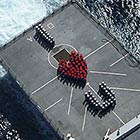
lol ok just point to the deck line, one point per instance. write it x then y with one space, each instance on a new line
94 51
70 100
53 104
108 73
118 117
117 61
29 39
44 85
84 120
125 89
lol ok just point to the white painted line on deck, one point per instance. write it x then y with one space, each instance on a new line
119 60
98 49
39 106
70 100
107 132
30 39
126 89
53 104
50 25
109 73
118 117
106 135
43 85
84 120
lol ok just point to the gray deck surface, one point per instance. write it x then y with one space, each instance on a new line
30 63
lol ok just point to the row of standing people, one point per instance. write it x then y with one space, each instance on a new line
44 38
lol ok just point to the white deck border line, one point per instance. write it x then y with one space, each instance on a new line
88 84
117 61
84 120
125 89
70 100
94 51
43 85
109 73
52 105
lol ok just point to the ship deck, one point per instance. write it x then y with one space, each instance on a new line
35 69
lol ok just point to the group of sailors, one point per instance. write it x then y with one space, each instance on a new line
99 108
74 71
44 38
6 131
106 93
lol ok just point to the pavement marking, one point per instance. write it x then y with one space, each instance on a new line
98 49
30 39
119 60
84 120
70 100
107 131
118 117
50 25
39 106
53 104
109 73
106 135
43 85
101 99
127 89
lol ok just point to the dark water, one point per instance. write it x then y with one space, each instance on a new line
19 118
120 17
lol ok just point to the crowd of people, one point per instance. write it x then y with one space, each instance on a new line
74 71
6 130
108 101
44 38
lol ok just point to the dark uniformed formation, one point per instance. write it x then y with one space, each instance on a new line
74 71
44 38
97 108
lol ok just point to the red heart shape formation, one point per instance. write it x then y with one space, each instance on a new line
75 68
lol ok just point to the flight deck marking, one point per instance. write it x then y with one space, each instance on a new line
118 117
106 135
117 61
30 39
84 120
125 89
70 100
50 25
98 49
44 85
53 104
100 98
109 73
